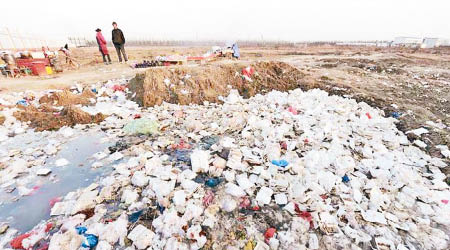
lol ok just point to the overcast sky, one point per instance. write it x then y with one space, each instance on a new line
233 19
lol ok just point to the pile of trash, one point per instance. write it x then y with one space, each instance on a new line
56 109
283 170
186 85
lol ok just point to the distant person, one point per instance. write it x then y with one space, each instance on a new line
119 42
102 47
69 59
236 52
45 51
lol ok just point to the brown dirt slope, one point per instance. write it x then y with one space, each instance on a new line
48 118
66 97
185 85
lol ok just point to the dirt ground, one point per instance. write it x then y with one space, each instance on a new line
413 85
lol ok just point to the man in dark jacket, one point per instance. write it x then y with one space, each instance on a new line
119 42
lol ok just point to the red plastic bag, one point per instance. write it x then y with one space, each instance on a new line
181 145
245 202
53 201
208 199
16 243
292 110
270 232
248 71
119 87
304 215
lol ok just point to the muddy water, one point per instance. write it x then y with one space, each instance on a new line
28 211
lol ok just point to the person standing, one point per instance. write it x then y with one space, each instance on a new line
69 59
102 46
119 42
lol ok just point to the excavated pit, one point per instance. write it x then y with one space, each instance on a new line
186 84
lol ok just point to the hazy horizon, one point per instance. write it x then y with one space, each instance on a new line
323 20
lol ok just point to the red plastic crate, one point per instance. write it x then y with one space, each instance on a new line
29 62
38 68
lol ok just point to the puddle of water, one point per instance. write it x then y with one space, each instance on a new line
28 211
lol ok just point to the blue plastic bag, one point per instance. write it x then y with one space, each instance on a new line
345 179
280 163
22 102
135 216
212 182
396 114
89 241
81 230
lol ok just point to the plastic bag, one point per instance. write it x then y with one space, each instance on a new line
142 126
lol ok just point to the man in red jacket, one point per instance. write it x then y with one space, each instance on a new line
119 42
102 46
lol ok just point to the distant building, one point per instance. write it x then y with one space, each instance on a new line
434 42
408 41
428 43
365 43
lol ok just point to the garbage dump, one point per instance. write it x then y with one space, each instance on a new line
288 169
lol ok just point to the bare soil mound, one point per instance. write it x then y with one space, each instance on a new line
185 85
66 97
2 119
48 118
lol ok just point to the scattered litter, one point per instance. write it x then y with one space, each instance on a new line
396 115
418 131
420 143
3 228
345 179
61 162
43 171
444 150
141 237
90 240
280 163
270 232
142 126
212 182
135 216
292 110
